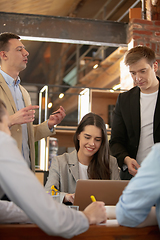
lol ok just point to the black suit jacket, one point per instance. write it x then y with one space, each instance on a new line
125 133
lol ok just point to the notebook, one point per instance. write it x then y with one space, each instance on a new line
107 191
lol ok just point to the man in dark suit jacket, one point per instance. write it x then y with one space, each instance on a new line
136 121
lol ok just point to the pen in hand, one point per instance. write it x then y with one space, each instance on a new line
93 198
55 113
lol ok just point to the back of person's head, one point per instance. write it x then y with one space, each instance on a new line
99 166
139 52
4 40
2 109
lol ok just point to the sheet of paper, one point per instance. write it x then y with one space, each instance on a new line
111 223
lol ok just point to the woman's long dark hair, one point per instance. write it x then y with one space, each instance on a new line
99 165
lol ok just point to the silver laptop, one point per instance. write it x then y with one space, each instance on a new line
107 191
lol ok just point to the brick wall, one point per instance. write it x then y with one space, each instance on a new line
144 32
141 32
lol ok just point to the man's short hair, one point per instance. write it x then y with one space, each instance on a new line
4 38
2 109
137 53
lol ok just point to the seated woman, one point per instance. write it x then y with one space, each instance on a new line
90 160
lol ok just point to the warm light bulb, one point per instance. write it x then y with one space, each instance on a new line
95 66
117 86
50 104
61 95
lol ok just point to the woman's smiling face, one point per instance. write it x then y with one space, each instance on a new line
90 140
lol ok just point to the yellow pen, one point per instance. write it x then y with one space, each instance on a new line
93 198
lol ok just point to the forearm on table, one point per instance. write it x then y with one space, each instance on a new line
150 220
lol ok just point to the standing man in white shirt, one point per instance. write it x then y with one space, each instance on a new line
136 121
13 59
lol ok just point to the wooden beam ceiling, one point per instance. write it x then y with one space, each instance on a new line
101 77
71 30
64 29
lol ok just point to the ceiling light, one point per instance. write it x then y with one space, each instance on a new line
50 104
61 95
117 86
95 66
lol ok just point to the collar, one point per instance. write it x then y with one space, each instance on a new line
73 158
9 80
